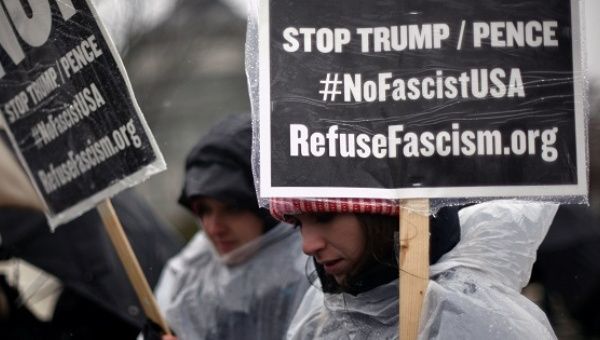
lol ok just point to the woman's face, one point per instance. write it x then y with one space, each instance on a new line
226 227
336 241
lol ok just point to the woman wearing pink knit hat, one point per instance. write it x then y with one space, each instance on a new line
481 258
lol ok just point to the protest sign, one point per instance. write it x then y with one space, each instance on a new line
68 106
422 99
72 117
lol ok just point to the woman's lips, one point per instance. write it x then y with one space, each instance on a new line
225 246
332 266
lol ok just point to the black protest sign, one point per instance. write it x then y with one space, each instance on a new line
428 98
69 107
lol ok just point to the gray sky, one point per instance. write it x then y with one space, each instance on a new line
123 18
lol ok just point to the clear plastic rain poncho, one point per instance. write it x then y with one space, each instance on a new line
251 293
473 292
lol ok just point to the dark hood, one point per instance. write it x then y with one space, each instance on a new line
219 165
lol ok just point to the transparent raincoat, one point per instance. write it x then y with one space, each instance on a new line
473 292
251 293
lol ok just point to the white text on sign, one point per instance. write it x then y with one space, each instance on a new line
476 83
497 34
85 102
75 60
78 162
515 34
80 56
33 26
18 107
454 142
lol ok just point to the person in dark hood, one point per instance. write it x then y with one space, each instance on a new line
241 276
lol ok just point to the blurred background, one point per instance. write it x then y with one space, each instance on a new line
185 60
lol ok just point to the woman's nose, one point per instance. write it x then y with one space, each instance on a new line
213 223
312 241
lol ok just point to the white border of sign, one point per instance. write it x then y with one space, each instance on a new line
139 176
267 190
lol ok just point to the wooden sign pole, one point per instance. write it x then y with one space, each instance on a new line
132 267
414 265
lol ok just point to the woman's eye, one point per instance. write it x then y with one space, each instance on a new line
324 217
233 210
200 210
293 221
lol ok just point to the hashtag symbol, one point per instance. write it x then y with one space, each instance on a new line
37 137
330 87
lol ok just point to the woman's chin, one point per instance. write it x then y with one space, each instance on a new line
339 279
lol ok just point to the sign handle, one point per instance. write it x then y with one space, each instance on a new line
414 265
130 263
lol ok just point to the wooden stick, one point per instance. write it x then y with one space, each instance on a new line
414 265
130 263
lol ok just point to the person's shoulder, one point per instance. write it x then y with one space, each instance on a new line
462 308
183 269
499 238
306 320
195 251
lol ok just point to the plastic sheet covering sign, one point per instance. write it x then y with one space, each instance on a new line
69 106
427 98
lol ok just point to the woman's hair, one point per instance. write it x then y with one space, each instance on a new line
379 264
269 222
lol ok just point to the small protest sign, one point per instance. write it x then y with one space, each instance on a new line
405 99
68 106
